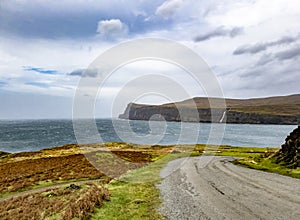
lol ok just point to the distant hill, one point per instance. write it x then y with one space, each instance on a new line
270 110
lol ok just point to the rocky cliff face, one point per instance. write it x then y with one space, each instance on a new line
137 112
290 150
187 114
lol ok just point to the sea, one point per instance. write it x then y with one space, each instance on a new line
33 135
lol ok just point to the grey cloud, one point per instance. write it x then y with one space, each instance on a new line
219 32
289 54
265 59
276 79
85 72
252 49
256 48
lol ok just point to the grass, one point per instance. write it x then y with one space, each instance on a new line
63 203
134 196
28 170
259 159
268 164
17 175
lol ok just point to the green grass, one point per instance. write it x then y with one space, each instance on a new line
134 196
268 165
259 159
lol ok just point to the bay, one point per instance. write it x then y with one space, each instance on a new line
33 135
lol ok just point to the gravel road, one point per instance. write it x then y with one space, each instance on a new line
221 190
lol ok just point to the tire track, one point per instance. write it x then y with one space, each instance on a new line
222 190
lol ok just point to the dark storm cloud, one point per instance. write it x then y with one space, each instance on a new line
259 47
219 32
85 72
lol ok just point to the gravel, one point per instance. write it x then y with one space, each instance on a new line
193 189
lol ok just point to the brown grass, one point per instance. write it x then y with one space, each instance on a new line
62 203
24 170
25 173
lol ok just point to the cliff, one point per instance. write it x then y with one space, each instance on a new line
272 110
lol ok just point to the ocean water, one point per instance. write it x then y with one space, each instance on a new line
32 135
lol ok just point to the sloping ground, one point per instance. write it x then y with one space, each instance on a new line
272 110
22 171
289 153
65 203
276 100
33 185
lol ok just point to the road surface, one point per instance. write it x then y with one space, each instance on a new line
221 190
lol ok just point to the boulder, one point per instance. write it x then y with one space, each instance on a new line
289 153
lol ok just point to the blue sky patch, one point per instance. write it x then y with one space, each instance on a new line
2 84
38 84
39 70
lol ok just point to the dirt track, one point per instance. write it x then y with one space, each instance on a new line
46 188
221 190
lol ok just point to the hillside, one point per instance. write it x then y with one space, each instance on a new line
270 110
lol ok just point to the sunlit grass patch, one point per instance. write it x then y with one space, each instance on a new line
268 164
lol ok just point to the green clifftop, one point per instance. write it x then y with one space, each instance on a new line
271 110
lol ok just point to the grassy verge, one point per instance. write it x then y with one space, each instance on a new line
268 164
134 195
259 159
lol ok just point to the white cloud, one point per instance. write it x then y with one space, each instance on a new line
250 13
168 8
264 23
112 28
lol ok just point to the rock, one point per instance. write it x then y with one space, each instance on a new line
175 152
73 186
50 194
289 153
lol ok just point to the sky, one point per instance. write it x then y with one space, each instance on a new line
251 46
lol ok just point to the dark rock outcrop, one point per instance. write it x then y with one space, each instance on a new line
157 113
289 153
185 114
